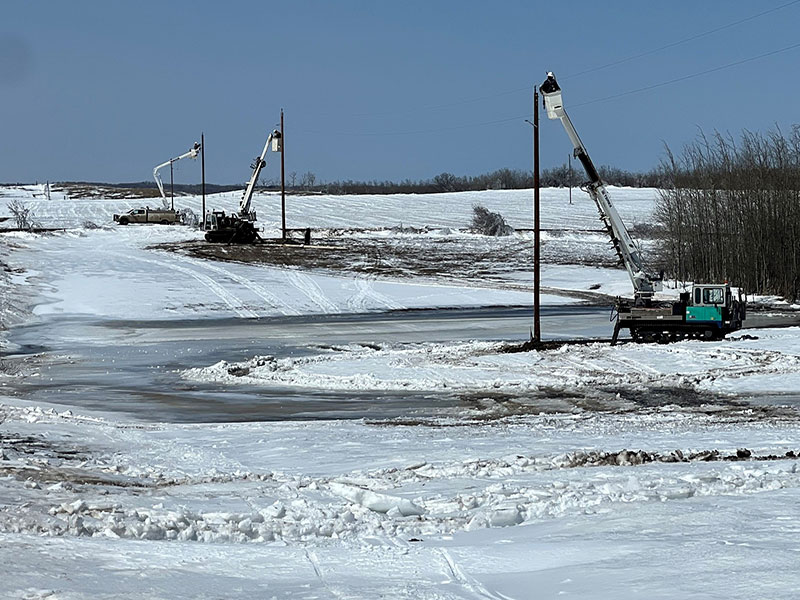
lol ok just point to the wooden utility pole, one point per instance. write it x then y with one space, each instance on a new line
569 162
203 178
283 179
537 330
171 186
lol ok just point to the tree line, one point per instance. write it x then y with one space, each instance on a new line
501 179
730 211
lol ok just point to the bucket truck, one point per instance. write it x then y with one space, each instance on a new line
710 311
192 153
239 228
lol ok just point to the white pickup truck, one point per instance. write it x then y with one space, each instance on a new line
149 215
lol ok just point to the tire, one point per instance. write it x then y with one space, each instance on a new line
123 221
165 222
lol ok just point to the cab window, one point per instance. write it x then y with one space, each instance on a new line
713 296
697 296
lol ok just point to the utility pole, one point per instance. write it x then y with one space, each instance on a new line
171 186
283 180
537 330
569 162
203 178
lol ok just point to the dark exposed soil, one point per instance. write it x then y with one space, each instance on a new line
503 262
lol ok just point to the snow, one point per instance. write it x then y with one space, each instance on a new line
325 211
738 365
484 502
587 471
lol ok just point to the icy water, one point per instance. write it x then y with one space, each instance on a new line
135 367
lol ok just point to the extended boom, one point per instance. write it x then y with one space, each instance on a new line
644 283
709 311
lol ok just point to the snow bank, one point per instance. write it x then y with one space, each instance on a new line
771 362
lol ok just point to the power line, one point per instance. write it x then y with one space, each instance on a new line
679 42
418 131
581 104
580 73
685 77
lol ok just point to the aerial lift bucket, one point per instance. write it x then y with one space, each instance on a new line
551 94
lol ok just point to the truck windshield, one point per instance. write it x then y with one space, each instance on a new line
713 296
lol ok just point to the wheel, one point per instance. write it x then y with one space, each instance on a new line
648 337
123 220
708 334
165 222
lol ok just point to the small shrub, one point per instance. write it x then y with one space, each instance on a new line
486 222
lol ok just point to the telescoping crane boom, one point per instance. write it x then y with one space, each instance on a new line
273 142
192 153
644 283
239 228
710 311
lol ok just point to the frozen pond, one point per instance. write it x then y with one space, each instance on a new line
134 366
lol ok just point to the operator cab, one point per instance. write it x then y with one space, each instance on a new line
711 295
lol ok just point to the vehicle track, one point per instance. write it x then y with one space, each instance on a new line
365 291
308 287
232 301
259 290
468 582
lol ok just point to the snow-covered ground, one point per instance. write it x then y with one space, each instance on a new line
322 211
619 495
770 363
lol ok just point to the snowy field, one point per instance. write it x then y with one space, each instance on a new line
656 471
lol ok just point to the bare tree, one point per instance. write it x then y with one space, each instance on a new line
308 180
446 182
22 214
731 211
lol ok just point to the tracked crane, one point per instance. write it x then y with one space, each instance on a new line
710 311
239 228
192 153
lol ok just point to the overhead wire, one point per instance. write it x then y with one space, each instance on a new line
679 42
685 77
586 71
578 105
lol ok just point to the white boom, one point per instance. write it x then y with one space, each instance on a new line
644 283
192 153
274 142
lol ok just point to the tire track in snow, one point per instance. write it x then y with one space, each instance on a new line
307 286
468 582
311 556
259 290
233 302
365 291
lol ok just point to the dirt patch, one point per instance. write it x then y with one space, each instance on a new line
12 446
626 458
475 260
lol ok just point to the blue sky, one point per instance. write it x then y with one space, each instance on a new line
104 90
